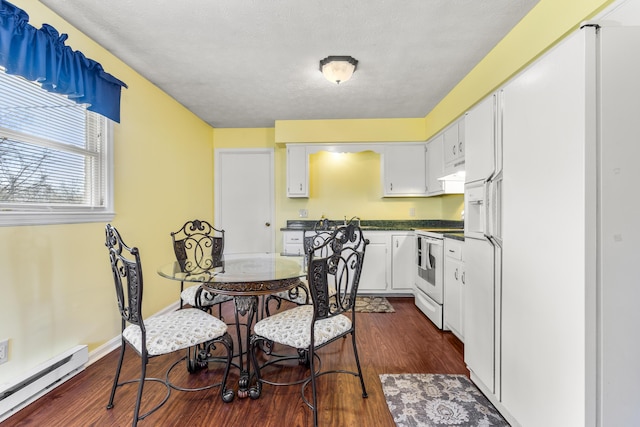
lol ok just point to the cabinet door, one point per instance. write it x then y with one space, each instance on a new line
404 170
292 242
375 269
479 324
454 148
454 295
451 144
402 262
297 171
435 165
462 127
481 139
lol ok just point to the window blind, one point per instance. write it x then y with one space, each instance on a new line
51 149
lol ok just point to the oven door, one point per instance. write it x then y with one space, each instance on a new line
429 278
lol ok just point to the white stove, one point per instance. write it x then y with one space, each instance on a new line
429 279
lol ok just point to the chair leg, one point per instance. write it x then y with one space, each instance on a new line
355 353
226 394
278 301
117 377
255 391
143 375
313 385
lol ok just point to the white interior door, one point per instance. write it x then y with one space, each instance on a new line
244 199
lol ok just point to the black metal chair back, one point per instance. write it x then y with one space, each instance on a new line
198 246
127 276
336 266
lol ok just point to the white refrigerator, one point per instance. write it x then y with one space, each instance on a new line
551 238
483 239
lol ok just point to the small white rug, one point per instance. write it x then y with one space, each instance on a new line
436 400
367 304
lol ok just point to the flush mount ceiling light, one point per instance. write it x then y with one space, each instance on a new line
338 69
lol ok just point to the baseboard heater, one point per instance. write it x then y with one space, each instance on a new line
19 393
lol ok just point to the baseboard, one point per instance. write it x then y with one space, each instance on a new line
13 403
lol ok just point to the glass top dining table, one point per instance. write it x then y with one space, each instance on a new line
243 274
245 277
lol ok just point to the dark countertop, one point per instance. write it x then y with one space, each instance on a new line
380 225
456 236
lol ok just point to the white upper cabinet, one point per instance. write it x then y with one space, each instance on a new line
481 139
404 172
297 171
435 165
435 170
454 147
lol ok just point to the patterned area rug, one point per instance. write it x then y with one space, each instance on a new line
373 305
430 400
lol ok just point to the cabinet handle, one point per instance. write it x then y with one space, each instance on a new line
397 244
300 186
454 149
463 277
391 186
460 147
456 274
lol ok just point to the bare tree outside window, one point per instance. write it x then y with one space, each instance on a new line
24 177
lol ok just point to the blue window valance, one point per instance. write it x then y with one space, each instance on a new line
41 55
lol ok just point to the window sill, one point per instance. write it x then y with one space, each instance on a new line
15 219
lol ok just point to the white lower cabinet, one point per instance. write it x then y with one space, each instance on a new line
454 279
388 261
402 262
292 242
375 269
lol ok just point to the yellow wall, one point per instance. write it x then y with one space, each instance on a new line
340 184
56 286
545 25
363 130
349 184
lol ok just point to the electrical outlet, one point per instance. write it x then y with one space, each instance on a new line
4 351
412 212
303 213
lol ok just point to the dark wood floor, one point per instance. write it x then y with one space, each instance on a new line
401 342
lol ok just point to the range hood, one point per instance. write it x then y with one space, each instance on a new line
456 176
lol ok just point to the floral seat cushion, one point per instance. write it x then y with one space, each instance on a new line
206 298
293 327
175 331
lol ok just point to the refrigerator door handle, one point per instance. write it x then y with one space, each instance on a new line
487 209
494 210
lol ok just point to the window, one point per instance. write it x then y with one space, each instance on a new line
55 158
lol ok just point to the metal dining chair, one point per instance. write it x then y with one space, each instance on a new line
300 295
161 334
199 246
307 328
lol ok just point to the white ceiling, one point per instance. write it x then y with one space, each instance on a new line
247 63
